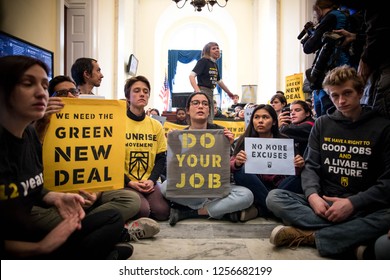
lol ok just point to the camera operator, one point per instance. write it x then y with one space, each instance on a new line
374 64
327 47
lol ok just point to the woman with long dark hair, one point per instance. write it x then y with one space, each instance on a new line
263 124
23 100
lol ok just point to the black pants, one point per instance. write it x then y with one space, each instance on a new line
95 240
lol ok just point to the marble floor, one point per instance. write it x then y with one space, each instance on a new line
203 239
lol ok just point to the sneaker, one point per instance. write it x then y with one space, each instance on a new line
125 236
143 228
249 214
173 216
182 213
291 236
234 217
122 251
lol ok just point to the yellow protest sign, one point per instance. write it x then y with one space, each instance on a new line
294 88
84 146
168 126
237 127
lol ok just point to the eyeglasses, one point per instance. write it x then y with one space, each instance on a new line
64 92
196 103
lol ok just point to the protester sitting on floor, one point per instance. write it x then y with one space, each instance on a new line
181 116
198 109
145 151
240 115
278 102
346 183
153 111
23 99
263 124
297 123
217 112
127 203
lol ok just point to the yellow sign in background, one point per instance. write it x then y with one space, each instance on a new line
294 88
237 127
84 146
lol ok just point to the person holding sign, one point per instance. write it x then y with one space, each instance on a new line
127 203
198 109
146 149
263 124
23 99
346 179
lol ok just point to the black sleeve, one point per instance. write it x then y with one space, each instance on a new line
126 180
314 43
159 166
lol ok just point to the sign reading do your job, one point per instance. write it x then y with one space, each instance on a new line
269 156
84 146
198 164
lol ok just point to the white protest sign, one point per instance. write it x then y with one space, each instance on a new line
248 114
161 119
269 156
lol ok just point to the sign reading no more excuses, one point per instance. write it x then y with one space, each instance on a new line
269 156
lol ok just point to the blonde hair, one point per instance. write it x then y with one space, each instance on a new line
342 74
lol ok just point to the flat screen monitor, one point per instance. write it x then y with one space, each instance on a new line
132 66
11 45
179 99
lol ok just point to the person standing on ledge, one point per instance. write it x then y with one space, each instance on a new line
87 74
207 74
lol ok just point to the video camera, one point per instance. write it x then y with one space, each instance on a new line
306 32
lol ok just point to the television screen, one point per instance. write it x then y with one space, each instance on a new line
179 99
11 45
132 65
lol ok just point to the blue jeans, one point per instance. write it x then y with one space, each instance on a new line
322 102
261 189
332 239
238 199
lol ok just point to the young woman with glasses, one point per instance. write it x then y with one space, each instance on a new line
198 109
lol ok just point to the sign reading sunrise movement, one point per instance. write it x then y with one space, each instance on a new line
84 146
198 164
